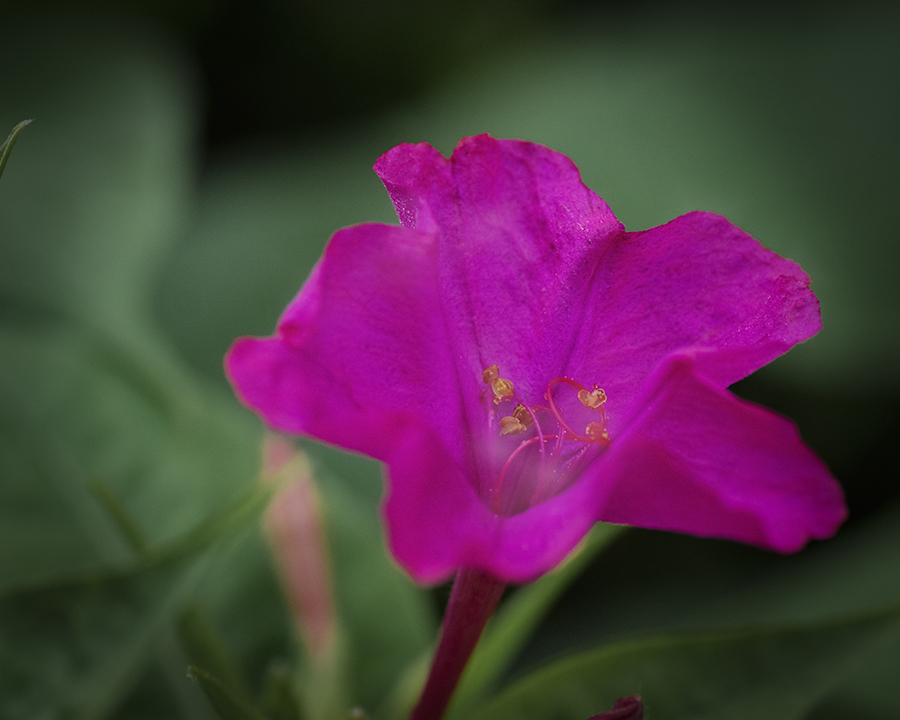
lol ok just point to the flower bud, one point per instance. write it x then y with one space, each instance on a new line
625 708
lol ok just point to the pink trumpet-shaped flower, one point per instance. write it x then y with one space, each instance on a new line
524 367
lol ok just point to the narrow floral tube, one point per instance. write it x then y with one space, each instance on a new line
524 367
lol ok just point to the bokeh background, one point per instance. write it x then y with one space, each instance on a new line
187 164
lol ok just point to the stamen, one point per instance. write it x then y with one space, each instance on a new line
511 426
559 461
524 444
523 415
503 389
555 410
490 373
597 433
523 409
593 399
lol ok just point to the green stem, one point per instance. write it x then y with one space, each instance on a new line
7 146
133 535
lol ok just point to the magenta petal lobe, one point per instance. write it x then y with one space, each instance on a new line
701 461
696 281
361 348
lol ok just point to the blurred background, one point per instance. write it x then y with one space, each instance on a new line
187 164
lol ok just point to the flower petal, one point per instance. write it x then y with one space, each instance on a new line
521 239
436 522
696 281
701 461
360 349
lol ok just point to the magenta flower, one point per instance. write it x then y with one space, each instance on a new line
524 367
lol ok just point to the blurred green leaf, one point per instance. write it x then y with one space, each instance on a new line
70 413
89 393
651 583
203 643
871 692
80 645
245 602
75 651
667 583
746 675
228 705
90 396
407 689
278 694
7 146
51 524
128 528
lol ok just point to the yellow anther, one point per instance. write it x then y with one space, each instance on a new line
520 413
502 388
593 399
597 433
511 426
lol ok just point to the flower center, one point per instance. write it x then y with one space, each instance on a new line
539 450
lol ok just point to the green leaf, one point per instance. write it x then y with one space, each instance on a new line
203 643
7 146
778 674
105 627
228 705
872 692
653 583
128 528
88 392
76 650
72 412
279 698
512 627
119 469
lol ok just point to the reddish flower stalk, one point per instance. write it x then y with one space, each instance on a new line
472 602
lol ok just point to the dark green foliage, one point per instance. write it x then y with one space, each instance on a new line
129 515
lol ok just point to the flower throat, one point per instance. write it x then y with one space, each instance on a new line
551 453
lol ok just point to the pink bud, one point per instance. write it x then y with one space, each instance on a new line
625 708
296 535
